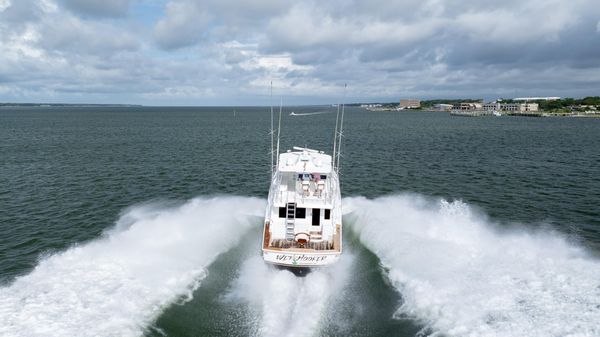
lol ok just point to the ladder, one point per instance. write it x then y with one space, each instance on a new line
289 221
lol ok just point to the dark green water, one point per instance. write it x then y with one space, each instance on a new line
68 175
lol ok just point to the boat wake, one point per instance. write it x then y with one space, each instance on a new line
309 113
462 275
287 305
458 273
118 284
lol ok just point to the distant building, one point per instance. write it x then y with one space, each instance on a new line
492 106
511 107
443 107
469 109
536 99
518 107
467 106
410 103
529 107
485 109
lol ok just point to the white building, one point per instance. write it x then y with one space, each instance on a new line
536 99
529 107
443 107
492 106
518 107
467 106
511 107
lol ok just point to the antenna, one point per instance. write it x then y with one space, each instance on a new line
341 133
272 133
279 129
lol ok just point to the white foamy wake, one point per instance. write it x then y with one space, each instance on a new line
464 276
309 113
285 304
116 285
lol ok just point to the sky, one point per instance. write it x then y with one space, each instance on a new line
227 52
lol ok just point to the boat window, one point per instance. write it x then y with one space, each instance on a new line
323 176
300 213
327 214
316 217
282 212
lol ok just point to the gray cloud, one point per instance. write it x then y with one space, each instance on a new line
182 25
18 13
74 37
204 52
101 8
188 22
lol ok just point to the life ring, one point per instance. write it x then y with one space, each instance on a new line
302 238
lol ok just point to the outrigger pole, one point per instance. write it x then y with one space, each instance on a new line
272 134
335 135
341 132
279 130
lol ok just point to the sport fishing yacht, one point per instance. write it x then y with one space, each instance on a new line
303 219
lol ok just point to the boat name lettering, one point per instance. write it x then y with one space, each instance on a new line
300 258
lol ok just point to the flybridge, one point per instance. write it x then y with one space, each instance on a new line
305 161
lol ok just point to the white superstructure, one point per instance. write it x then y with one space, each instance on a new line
303 220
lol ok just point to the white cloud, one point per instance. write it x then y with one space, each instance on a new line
48 6
4 4
23 45
308 26
183 92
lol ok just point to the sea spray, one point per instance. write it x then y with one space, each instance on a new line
464 276
285 304
116 285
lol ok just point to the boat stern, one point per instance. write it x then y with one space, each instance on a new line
299 258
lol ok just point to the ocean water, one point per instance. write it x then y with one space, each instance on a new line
146 221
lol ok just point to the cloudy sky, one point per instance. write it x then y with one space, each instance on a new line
225 52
